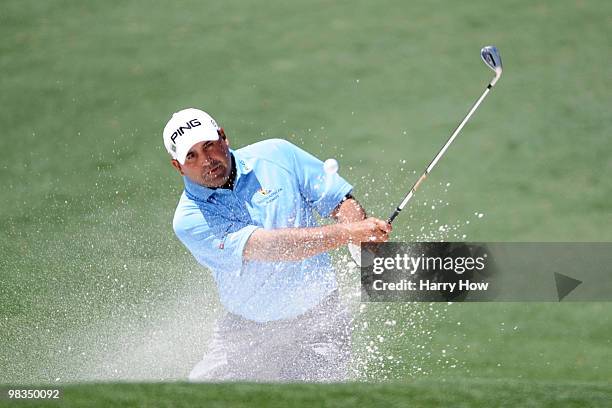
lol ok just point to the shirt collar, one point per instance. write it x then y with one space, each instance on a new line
202 193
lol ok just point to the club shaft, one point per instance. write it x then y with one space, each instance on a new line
439 155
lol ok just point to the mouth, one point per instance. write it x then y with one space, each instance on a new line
216 170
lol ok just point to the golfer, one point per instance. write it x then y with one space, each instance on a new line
250 216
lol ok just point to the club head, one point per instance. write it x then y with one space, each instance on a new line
490 56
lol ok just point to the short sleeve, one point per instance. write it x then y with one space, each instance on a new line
324 191
218 245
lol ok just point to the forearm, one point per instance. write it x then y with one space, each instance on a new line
294 244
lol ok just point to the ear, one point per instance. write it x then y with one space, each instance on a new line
223 136
177 166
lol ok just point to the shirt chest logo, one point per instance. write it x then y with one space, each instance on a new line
266 196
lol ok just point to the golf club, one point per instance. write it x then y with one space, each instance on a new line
490 56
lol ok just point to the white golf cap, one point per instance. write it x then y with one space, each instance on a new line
186 128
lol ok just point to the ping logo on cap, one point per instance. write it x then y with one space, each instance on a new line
181 130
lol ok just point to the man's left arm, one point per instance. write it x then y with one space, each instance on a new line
330 193
323 191
349 210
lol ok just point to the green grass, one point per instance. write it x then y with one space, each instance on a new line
419 393
93 284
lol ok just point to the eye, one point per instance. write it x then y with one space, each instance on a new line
189 156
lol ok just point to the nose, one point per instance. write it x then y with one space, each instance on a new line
205 161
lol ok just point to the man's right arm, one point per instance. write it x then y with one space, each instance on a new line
294 244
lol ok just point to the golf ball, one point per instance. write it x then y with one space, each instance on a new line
330 166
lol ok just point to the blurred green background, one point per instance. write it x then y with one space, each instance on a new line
94 285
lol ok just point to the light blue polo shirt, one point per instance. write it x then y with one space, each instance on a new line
278 185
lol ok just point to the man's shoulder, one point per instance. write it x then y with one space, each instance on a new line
277 153
266 148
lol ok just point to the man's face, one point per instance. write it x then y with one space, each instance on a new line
207 163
